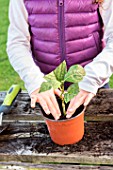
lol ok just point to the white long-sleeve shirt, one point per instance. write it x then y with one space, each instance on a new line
20 54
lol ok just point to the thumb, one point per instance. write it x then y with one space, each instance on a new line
88 99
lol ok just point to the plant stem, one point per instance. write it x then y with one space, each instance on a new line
62 98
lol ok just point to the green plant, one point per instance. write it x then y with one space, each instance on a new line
58 77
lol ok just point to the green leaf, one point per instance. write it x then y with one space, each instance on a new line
49 84
75 74
60 71
51 79
45 86
68 97
55 84
72 91
55 78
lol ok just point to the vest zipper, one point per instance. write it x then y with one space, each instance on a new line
61 29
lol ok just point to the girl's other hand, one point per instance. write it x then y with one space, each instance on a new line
83 97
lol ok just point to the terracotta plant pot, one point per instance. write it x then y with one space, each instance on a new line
68 131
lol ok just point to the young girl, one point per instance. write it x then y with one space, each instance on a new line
43 33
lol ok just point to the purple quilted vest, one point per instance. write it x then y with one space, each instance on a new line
67 30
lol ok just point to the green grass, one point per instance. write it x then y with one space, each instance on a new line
111 81
7 75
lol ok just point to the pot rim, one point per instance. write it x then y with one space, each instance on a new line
68 119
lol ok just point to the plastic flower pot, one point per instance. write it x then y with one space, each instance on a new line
67 131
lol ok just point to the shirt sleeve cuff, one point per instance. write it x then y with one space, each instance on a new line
31 87
88 86
91 85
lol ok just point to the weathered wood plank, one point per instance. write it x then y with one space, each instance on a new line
54 166
35 118
99 117
58 158
22 128
24 117
19 166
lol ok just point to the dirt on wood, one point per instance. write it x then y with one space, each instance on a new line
98 140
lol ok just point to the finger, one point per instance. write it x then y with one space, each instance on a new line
33 101
55 104
57 92
88 99
52 108
74 104
44 105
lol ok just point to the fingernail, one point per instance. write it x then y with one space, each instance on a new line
57 118
86 103
70 110
59 114
48 112
32 105
68 116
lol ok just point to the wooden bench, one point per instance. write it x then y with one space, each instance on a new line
25 139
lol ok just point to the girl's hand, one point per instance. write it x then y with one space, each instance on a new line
83 97
48 101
